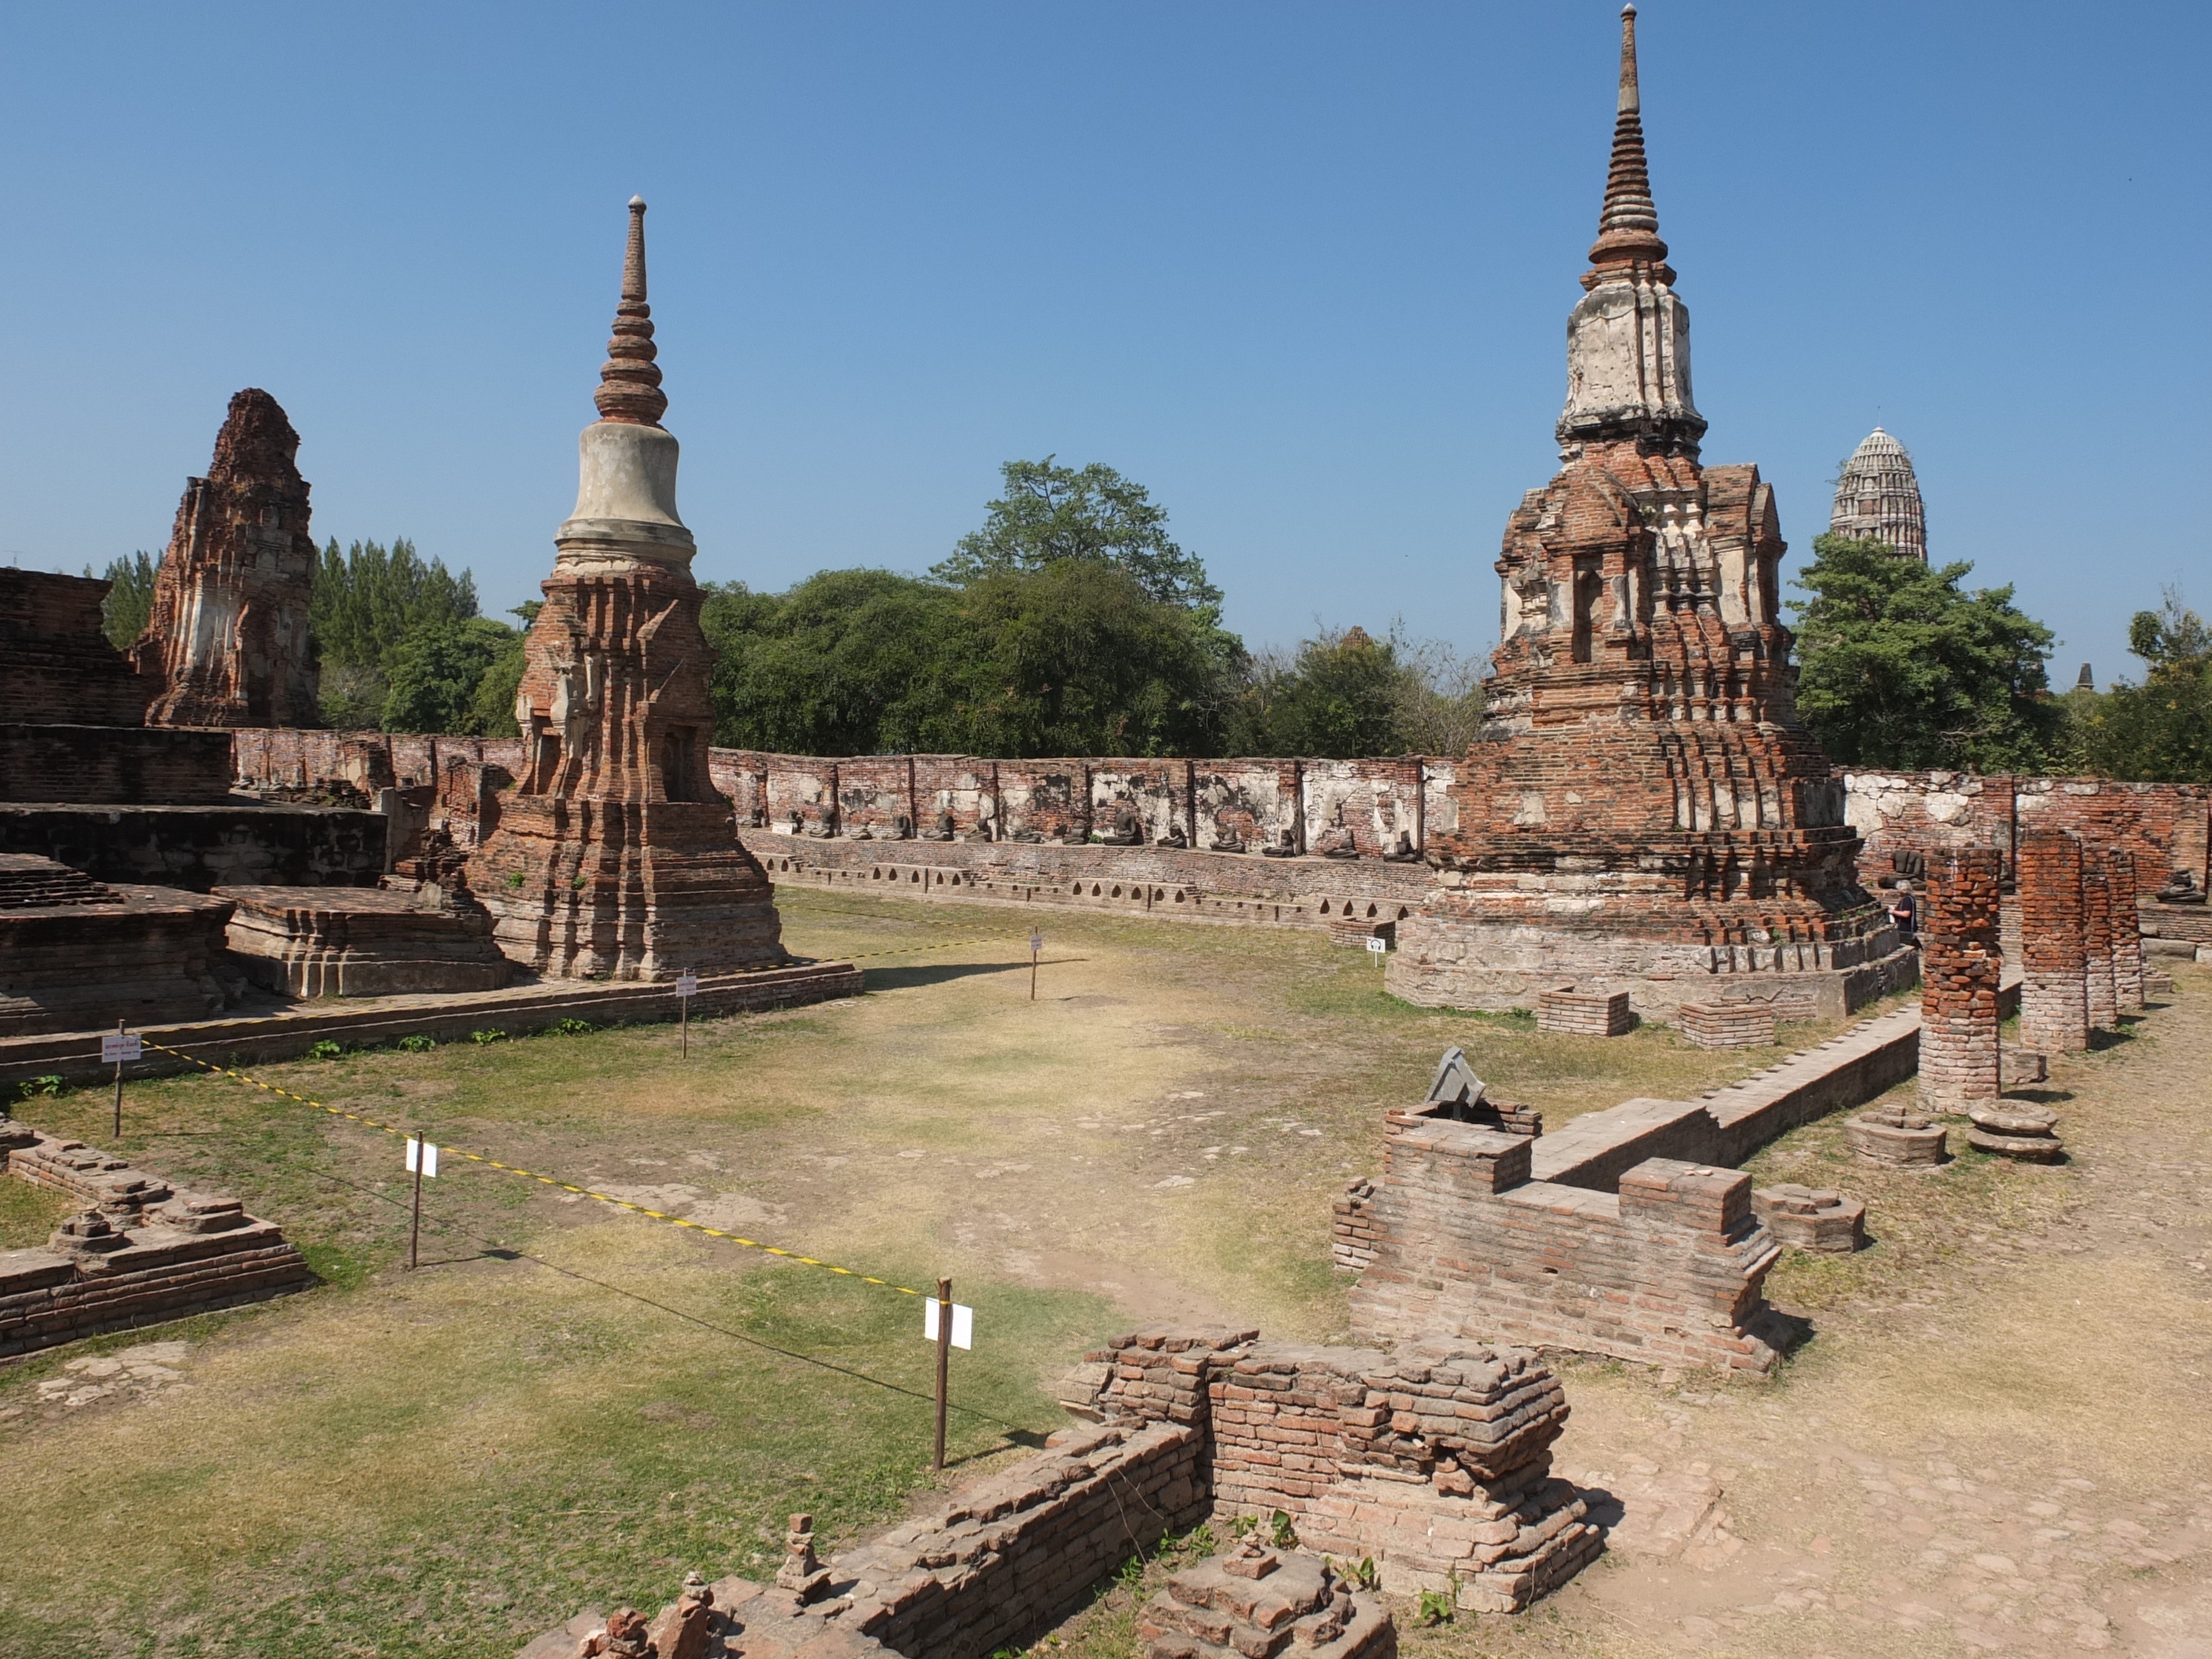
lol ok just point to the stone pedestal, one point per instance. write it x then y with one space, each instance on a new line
1892 1135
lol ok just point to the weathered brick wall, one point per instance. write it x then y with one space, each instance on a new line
1959 968
1017 1551
2054 1007
144 1252
2123 902
2163 825
55 664
1726 1024
201 847
2096 936
118 765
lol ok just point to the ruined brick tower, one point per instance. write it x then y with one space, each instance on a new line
613 856
1645 812
227 638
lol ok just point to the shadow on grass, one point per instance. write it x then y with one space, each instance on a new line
892 978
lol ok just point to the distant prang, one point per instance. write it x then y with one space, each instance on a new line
1879 495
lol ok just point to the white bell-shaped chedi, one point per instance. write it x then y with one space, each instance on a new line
1879 495
1628 340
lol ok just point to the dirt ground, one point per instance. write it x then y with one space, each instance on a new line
572 1405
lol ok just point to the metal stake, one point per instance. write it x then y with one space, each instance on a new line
944 1361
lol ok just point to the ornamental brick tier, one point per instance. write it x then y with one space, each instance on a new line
227 644
1645 811
614 857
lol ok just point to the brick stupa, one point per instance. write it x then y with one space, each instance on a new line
227 643
613 856
1645 812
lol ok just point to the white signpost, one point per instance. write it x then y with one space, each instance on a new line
687 986
950 1326
421 1160
1037 945
1378 946
118 1048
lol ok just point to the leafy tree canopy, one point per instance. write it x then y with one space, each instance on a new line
1345 694
442 678
129 605
1901 667
1054 514
2160 731
369 599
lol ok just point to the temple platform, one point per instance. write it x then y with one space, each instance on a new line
361 941
78 954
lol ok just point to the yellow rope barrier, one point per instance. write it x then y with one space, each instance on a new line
532 1174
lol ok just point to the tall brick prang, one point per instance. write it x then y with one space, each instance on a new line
1959 964
227 639
614 856
2054 1008
1647 812
2097 920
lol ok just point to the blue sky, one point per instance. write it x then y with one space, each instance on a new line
1302 269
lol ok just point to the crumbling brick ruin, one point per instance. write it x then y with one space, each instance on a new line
1961 965
1646 809
2097 938
1254 1602
613 856
140 1252
2054 1000
227 644
78 954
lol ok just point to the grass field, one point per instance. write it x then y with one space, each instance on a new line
571 1404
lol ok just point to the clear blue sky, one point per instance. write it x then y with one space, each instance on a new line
1302 269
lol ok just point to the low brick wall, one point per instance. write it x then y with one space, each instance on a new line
146 1254
1583 1014
1726 1024
369 1021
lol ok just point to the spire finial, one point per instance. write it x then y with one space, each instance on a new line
1628 227
629 380
1628 101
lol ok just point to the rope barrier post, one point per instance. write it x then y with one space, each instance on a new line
421 1159
687 986
944 1363
1036 944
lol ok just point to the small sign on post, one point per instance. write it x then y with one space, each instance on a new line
118 1048
950 1326
1036 946
687 986
421 1160
1378 946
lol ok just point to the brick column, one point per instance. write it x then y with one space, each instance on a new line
2096 938
2054 1010
2127 931
1958 967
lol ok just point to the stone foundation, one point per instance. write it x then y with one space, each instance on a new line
141 1253
77 955
1567 1011
361 941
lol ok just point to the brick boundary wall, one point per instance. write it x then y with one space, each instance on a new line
2096 938
1253 802
154 1253
2054 1005
1959 970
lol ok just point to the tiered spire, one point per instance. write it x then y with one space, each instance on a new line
629 380
1628 227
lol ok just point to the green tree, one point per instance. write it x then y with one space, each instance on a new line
1052 514
437 676
1345 694
1901 667
2160 731
845 663
1075 658
368 603
129 605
